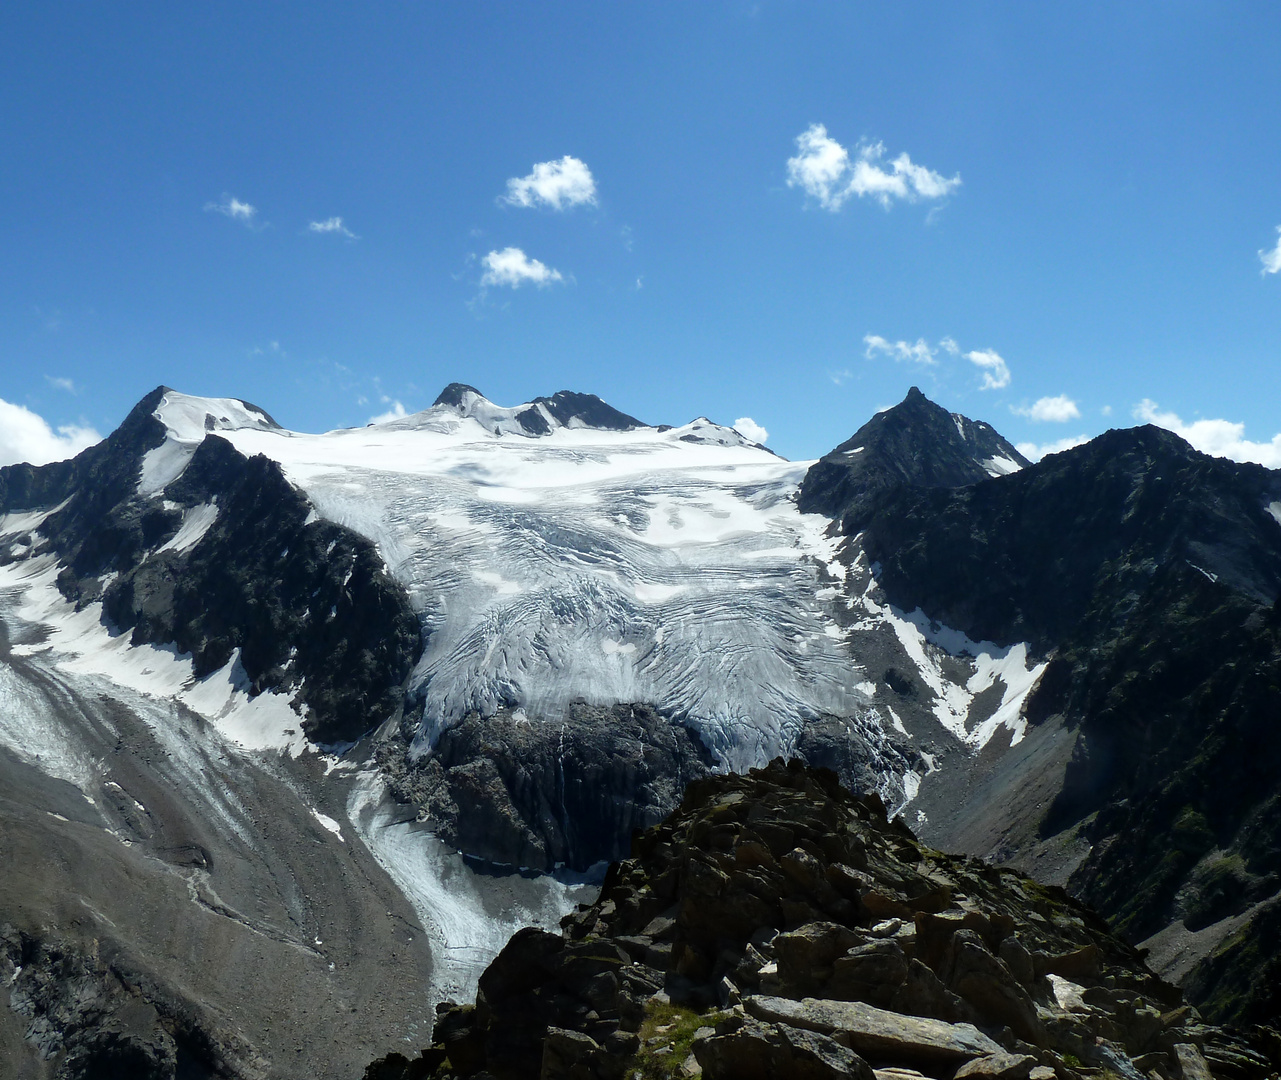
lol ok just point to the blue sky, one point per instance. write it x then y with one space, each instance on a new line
1083 223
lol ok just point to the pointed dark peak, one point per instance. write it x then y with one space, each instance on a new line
454 394
917 443
588 409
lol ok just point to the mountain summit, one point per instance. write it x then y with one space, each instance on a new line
542 416
917 444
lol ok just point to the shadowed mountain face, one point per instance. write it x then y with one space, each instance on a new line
916 444
1151 574
226 561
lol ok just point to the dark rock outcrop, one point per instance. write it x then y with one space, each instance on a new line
571 791
308 604
97 1016
565 407
746 932
544 793
916 444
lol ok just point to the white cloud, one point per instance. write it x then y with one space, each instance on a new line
1032 452
558 184
1222 438
840 376
824 170
917 352
396 411
996 373
513 267
61 383
1054 410
332 225
1106 410
27 436
1272 259
750 429
233 208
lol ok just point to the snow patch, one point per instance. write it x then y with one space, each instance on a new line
465 931
1275 510
328 823
195 523
84 644
927 643
1211 577
1000 466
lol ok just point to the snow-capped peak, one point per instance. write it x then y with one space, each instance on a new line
189 419
542 416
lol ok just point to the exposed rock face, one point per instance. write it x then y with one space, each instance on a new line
1152 572
914 444
95 1016
539 793
565 408
542 794
308 604
745 933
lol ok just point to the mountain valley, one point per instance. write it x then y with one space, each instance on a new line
297 730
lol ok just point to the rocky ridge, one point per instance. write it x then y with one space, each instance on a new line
1150 574
777 925
305 605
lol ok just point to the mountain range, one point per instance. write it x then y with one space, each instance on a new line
288 713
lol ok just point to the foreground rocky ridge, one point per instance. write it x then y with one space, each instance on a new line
777 925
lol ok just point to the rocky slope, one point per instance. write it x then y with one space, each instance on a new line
778 926
1151 574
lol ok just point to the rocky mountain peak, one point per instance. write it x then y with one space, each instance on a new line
542 416
455 394
917 443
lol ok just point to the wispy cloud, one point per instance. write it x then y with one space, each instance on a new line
824 170
27 436
558 184
840 376
917 352
59 382
230 206
1222 438
332 225
1033 452
396 411
513 267
751 430
996 373
1054 410
1272 259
